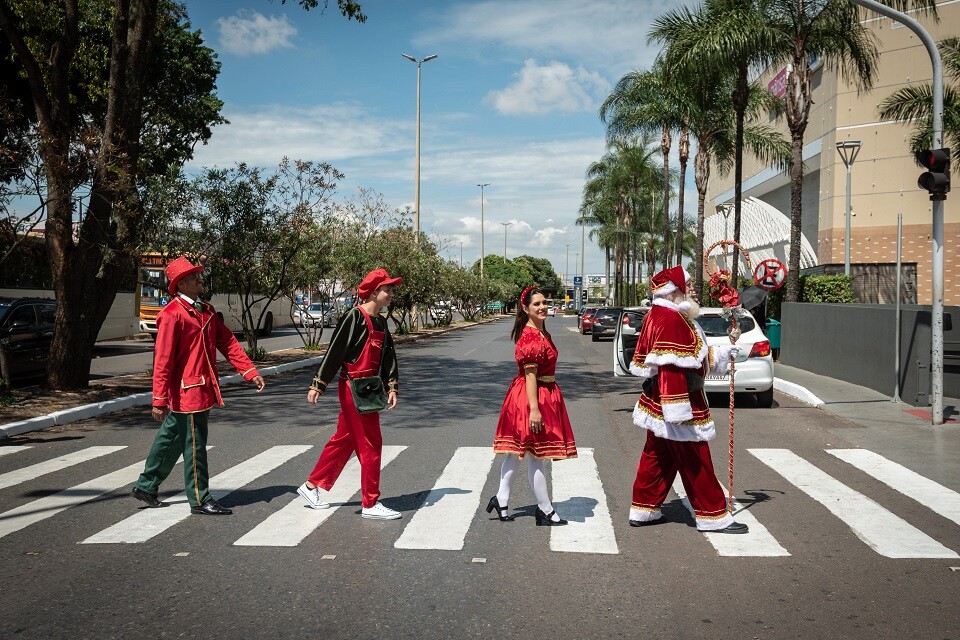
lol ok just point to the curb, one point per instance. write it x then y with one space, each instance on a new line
800 393
94 409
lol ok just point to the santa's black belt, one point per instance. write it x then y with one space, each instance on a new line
694 382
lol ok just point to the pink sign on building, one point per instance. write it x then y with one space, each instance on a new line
778 86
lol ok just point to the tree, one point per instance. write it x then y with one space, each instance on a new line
542 272
91 91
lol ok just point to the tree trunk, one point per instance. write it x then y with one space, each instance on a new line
684 149
741 94
701 172
665 142
798 113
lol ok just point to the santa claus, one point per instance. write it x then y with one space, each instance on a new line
673 357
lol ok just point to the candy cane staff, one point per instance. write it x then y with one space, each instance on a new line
673 357
361 346
533 418
185 388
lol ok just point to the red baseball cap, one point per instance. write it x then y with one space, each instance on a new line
178 269
373 281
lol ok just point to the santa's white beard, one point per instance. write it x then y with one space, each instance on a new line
690 308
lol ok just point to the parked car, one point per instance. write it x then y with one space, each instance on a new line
26 331
320 313
551 311
586 320
754 364
604 323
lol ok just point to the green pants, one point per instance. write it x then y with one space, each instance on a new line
186 434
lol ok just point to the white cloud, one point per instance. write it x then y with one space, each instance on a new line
602 35
550 87
547 236
249 33
329 133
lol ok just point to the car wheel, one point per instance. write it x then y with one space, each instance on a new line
765 398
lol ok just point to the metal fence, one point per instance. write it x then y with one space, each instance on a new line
856 343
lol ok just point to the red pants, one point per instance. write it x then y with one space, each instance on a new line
358 433
659 464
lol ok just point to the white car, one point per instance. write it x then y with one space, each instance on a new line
551 311
754 365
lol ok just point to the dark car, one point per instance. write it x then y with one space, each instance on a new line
605 321
26 331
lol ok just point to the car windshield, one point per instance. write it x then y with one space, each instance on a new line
4 306
607 313
316 307
716 325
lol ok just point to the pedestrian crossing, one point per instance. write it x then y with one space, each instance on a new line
454 505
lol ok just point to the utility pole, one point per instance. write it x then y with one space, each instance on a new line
486 184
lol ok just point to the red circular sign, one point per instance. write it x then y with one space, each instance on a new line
770 274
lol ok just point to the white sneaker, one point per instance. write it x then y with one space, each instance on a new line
312 496
380 512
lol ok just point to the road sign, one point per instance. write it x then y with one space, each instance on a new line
578 281
770 274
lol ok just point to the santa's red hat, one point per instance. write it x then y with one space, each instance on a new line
178 270
669 280
373 281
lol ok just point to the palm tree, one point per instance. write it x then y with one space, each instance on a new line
725 39
643 102
614 195
914 104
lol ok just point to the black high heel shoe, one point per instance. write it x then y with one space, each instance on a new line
545 519
501 511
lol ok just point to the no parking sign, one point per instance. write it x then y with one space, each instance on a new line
770 274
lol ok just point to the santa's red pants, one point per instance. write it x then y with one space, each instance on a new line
355 432
659 464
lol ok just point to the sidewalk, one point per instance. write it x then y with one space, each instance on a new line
899 431
114 404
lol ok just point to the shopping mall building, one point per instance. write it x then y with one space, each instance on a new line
884 179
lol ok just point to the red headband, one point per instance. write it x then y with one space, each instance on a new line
524 293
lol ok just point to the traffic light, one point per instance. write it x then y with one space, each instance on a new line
583 295
936 179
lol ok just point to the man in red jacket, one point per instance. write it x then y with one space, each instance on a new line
185 387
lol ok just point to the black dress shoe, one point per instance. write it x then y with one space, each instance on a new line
501 511
645 523
211 508
143 496
736 527
546 519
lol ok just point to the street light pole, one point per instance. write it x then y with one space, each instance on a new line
848 150
583 238
485 184
461 254
505 225
416 182
566 271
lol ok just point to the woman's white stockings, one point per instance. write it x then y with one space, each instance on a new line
538 481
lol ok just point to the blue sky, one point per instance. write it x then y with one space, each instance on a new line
511 100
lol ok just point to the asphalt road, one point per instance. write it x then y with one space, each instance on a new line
349 577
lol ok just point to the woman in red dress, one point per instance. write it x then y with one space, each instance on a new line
534 417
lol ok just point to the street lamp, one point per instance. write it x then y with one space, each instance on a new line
416 187
485 184
724 210
505 225
461 254
566 270
848 150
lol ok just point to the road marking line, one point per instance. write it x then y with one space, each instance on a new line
758 542
151 522
451 506
930 494
880 529
29 473
295 521
574 329
46 507
578 491
8 450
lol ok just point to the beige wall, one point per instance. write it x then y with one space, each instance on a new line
884 176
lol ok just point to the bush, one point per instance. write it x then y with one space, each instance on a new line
823 289
257 355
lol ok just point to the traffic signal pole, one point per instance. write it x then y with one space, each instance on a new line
936 347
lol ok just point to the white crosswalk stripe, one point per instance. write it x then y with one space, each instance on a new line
49 506
451 506
880 529
152 522
5 451
931 494
294 522
12 478
577 488
757 542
